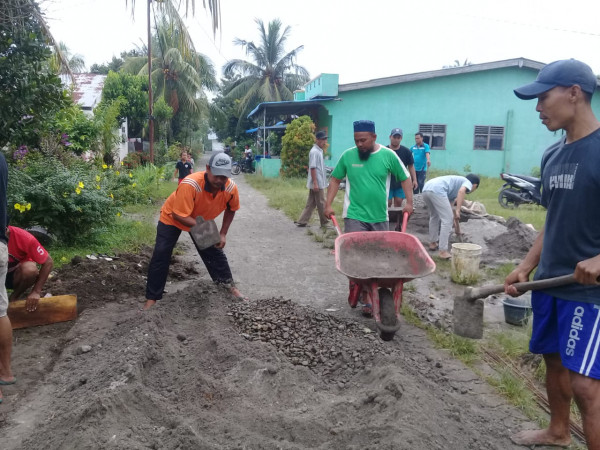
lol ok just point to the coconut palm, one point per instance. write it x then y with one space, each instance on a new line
273 74
75 62
179 75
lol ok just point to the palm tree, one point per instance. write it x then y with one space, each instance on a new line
179 75
75 62
273 75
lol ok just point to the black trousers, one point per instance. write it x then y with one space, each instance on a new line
214 259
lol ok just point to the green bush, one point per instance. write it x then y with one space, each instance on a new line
296 144
68 202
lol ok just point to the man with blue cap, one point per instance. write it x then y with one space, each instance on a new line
368 168
565 319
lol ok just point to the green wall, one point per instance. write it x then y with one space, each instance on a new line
460 102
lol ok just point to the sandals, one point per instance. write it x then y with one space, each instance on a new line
434 248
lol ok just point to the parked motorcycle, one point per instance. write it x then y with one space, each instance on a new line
328 171
519 189
242 165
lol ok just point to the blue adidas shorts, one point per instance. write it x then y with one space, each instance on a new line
399 193
567 327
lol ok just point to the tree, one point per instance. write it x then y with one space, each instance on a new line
225 123
75 62
273 75
133 90
296 144
116 63
31 93
457 63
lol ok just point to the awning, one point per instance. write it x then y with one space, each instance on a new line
278 126
298 108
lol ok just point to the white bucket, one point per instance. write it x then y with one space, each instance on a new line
465 263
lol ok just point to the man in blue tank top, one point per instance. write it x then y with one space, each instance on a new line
565 320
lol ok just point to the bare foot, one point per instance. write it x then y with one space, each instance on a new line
238 295
445 255
149 304
540 437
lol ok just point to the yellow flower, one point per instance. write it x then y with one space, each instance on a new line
122 163
97 186
134 185
104 166
110 167
77 191
111 196
63 259
17 206
119 214
81 185
22 209
97 177
28 206
117 172
130 175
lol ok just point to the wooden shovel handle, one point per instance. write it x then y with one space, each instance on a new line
484 291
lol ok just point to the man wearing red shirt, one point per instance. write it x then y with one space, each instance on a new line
24 255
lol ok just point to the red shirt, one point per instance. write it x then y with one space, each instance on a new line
23 246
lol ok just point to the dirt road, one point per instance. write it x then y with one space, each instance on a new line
200 371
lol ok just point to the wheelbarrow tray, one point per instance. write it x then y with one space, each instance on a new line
384 255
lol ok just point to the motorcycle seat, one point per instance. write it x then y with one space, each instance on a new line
532 180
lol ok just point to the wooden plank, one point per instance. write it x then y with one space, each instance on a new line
59 308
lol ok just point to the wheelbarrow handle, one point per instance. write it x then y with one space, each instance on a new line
404 221
335 224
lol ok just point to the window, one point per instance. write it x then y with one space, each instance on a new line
488 138
434 135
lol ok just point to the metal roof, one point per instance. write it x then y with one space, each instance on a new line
378 82
288 107
87 90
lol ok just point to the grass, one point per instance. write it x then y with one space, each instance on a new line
128 233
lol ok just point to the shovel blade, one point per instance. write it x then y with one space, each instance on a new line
205 234
468 318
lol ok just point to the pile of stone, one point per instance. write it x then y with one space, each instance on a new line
331 347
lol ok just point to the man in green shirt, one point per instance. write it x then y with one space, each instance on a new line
367 168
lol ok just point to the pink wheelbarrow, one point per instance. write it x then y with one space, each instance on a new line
377 261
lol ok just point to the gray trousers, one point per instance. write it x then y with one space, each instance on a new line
353 225
314 200
440 218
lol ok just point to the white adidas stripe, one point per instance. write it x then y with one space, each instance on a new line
192 183
595 342
230 186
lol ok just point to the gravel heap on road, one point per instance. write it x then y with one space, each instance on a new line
331 347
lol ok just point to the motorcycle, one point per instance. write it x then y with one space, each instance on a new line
519 189
328 171
242 165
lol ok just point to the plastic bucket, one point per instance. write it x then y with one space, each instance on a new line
516 310
465 263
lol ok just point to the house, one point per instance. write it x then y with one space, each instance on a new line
469 115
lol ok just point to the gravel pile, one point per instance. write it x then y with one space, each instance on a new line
334 348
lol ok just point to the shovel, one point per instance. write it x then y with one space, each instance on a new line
205 233
468 309
457 230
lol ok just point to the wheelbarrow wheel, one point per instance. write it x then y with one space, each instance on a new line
387 310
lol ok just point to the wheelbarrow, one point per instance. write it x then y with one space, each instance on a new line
379 263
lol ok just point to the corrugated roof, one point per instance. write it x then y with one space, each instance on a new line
87 91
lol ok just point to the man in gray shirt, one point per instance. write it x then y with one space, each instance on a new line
316 183
439 195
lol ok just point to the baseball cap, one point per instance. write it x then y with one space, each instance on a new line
396 131
566 72
220 164
321 135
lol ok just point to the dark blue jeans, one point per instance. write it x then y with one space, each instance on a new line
214 259
421 175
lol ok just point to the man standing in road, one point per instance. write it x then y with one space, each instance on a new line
203 194
406 156
368 168
421 155
316 183
183 167
565 319
6 375
24 254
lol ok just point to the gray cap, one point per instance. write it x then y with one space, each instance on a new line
396 131
220 164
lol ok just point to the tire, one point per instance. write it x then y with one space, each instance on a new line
506 201
387 309
236 169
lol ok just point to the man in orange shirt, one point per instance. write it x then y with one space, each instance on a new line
206 194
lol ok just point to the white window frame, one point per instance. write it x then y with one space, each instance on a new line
434 131
487 133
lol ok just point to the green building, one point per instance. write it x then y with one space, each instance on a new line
469 115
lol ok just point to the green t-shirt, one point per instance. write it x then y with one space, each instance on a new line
368 183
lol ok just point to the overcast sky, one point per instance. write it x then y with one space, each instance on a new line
357 40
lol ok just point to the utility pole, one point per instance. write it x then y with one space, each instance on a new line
150 117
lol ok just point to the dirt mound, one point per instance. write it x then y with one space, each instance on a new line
515 242
115 278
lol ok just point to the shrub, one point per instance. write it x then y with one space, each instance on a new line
65 201
296 144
